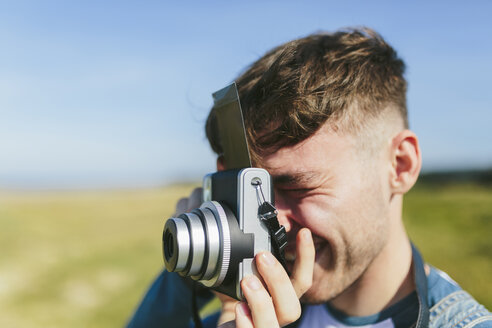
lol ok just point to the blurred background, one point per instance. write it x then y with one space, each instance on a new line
102 108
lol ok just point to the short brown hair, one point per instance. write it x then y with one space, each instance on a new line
289 93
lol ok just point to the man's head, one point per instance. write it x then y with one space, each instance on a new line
348 79
326 116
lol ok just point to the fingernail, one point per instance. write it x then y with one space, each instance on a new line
306 235
253 283
242 308
267 259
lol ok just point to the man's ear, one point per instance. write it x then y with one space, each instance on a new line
406 161
220 163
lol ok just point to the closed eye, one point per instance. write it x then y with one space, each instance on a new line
295 191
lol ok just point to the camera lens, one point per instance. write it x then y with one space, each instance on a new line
169 249
176 244
198 244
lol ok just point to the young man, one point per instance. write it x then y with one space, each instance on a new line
326 116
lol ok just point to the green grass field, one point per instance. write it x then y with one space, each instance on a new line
84 259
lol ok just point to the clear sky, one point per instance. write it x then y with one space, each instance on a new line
115 93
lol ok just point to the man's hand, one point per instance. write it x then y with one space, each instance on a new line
190 203
276 303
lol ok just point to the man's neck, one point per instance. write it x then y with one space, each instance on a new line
387 280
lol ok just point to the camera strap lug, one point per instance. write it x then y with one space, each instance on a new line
278 236
268 215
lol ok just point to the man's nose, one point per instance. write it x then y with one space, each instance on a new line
285 220
284 214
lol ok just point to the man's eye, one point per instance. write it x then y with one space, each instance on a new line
296 191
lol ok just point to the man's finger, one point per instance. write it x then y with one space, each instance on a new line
279 286
228 307
189 203
195 199
243 316
259 302
302 273
181 206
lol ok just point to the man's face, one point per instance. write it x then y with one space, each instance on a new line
341 194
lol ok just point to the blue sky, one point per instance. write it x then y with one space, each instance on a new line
97 94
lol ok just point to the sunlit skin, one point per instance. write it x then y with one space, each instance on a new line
351 202
329 191
344 196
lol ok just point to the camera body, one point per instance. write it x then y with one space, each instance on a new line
215 244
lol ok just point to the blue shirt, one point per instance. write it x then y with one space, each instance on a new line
168 304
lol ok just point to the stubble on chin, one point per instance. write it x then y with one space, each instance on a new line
328 285
321 292
331 280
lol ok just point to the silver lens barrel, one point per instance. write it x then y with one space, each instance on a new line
213 244
198 244
176 244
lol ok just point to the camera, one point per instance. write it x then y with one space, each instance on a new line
215 244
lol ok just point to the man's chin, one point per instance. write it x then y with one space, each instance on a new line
321 292
314 297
